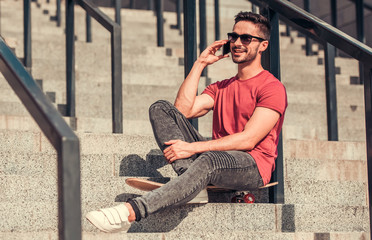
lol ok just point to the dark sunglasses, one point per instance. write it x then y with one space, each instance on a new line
244 38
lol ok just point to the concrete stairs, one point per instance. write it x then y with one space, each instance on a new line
325 182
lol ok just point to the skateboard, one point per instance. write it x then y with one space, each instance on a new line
240 196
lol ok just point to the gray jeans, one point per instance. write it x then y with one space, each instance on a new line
229 169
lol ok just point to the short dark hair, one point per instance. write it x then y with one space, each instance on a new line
262 22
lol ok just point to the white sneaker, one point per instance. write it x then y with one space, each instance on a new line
202 197
110 220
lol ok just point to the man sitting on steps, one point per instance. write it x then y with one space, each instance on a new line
248 113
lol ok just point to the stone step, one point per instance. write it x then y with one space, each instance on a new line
181 219
143 77
225 217
333 193
347 178
104 187
320 133
94 115
90 105
28 141
99 143
320 154
113 166
79 124
215 235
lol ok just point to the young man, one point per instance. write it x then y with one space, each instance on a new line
248 113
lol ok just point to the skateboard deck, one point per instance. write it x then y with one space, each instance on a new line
147 185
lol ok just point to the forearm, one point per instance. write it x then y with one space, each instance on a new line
187 93
238 141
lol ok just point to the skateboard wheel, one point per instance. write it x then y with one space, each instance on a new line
249 198
237 199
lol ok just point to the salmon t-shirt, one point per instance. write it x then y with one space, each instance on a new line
234 103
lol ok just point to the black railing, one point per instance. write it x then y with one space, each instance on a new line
203 31
271 61
328 35
178 17
60 136
190 46
160 22
217 19
27 34
58 13
116 60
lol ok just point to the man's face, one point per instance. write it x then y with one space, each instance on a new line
240 52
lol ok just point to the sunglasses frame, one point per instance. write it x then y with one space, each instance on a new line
242 36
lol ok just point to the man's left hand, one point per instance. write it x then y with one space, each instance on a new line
178 149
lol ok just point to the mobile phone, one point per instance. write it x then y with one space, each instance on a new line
226 48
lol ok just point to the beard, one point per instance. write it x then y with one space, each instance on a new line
249 57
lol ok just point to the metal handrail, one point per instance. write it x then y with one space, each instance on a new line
365 5
60 136
116 59
27 59
329 35
318 29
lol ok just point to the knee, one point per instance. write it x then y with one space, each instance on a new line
159 105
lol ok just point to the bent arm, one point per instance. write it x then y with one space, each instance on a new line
186 101
259 125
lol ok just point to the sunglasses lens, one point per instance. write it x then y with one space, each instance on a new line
232 36
246 39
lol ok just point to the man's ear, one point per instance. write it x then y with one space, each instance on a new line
263 46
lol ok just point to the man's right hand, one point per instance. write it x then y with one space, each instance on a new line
208 56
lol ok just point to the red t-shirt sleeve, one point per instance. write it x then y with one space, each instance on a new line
211 90
273 96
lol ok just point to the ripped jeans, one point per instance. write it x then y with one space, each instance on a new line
227 169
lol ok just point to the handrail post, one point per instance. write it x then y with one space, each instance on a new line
150 5
160 23
359 13
334 13
334 19
271 61
331 95
216 19
70 59
178 9
116 61
368 116
308 44
203 30
69 204
88 21
117 89
287 29
189 18
118 11
58 13
27 34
